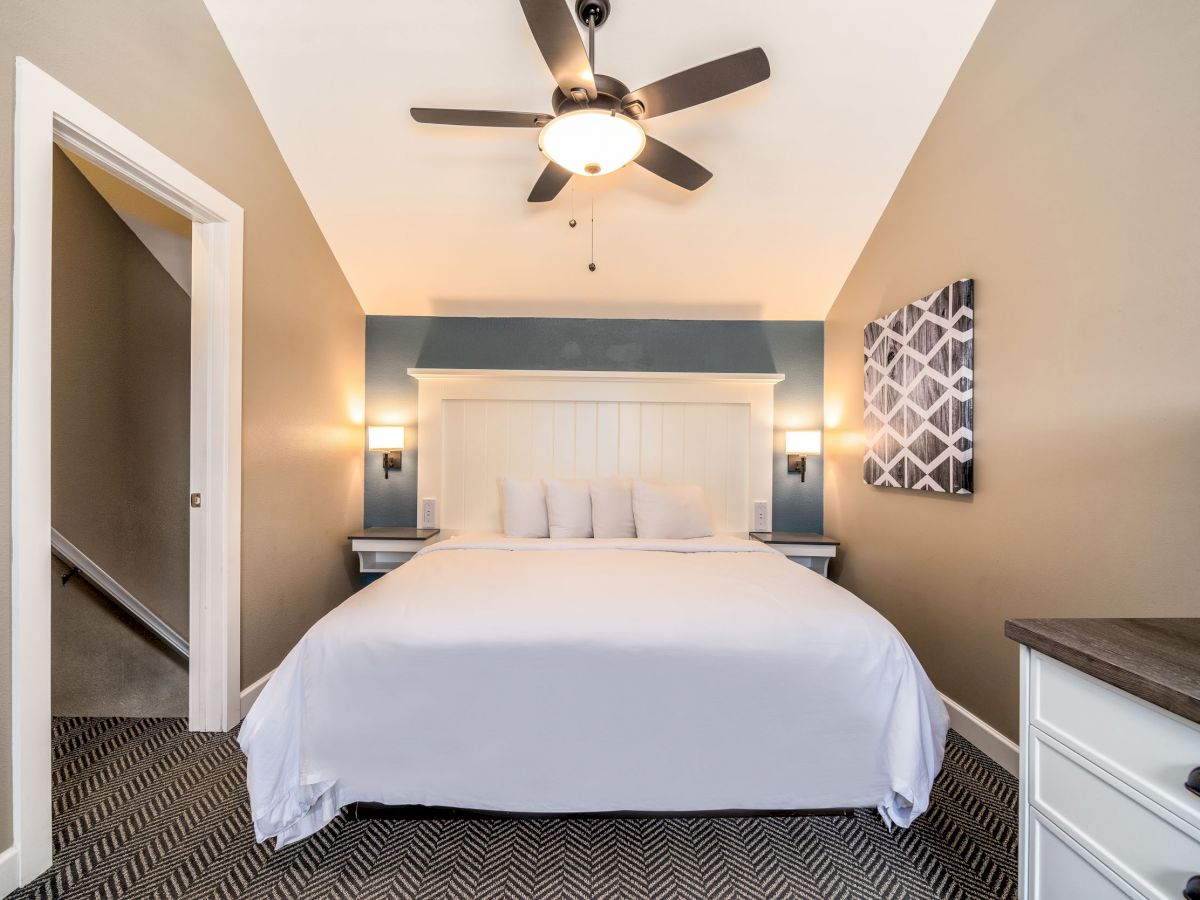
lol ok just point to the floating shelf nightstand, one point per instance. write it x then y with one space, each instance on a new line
382 549
813 551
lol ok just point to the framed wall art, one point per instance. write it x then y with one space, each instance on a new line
918 379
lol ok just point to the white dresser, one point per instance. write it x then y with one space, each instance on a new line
1110 783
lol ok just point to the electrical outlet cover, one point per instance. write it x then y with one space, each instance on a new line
428 513
760 515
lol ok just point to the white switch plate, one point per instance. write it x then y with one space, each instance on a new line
429 513
760 515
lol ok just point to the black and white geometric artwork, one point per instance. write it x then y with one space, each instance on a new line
919 383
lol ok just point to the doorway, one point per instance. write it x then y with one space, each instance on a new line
120 371
49 114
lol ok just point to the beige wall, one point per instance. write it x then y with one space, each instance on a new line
1061 173
160 68
120 366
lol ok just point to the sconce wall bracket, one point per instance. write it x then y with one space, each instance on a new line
797 462
391 461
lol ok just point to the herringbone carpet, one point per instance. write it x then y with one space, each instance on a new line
145 809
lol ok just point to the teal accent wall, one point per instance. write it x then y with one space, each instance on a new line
396 343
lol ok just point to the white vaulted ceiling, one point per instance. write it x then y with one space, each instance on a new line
433 220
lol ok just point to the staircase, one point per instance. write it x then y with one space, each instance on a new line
109 588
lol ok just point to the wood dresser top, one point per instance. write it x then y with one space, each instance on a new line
395 534
792 537
1157 660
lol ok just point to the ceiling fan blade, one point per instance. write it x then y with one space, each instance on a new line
699 84
489 118
667 162
554 30
552 180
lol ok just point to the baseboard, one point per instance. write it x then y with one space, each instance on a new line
250 694
10 871
984 736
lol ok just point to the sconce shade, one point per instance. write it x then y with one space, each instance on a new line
806 442
385 437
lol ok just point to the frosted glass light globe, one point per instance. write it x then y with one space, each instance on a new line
592 141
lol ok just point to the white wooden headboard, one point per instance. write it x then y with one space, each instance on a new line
475 425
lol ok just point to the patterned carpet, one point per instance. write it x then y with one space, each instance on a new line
144 809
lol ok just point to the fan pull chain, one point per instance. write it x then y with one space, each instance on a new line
592 264
572 221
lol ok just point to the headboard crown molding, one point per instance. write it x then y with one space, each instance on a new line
585 375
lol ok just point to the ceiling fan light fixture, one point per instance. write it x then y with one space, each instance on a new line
592 141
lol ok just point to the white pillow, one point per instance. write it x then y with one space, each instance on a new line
569 508
524 507
670 510
612 508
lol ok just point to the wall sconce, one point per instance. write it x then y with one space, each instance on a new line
389 439
799 446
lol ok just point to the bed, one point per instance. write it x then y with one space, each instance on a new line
560 676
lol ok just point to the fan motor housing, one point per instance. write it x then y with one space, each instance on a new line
609 92
596 10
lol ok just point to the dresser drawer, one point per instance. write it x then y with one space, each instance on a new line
1058 870
1149 749
1146 846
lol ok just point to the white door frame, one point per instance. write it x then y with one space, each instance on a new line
49 113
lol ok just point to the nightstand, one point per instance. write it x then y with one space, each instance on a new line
814 551
382 549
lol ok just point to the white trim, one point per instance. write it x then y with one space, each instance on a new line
250 694
1022 773
578 375
46 112
984 736
812 550
400 545
10 871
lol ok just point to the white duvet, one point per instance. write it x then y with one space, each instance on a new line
587 675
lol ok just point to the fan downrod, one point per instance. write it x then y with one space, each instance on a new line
596 10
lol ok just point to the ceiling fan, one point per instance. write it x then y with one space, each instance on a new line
596 126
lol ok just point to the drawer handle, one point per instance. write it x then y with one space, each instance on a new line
1193 781
1192 890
